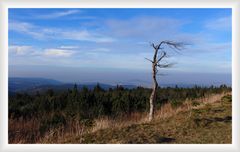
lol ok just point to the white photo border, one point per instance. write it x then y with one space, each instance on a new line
233 4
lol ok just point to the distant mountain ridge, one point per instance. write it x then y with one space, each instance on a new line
32 85
16 84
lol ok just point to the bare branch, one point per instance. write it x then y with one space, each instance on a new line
152 44
166 65
162 56
157 47
149 60
175 45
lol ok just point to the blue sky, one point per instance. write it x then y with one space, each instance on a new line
110 45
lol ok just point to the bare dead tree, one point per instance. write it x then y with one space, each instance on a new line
159 55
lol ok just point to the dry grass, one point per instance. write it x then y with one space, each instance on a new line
202 124
23 131
58 135
103 123
167 110
27 131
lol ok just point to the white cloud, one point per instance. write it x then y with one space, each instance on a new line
101 50
58 14
26 28
24 50
85 35
56 33
68 47
57 53
223 23
20 26
20 50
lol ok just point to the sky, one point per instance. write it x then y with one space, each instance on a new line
110 45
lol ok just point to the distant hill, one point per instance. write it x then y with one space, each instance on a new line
32 85
16 84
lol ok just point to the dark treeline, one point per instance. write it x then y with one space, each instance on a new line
56 108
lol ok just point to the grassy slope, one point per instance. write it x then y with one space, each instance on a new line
210 123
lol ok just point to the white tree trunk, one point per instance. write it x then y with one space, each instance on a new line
153 96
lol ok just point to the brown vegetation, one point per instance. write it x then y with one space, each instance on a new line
203 124
27 131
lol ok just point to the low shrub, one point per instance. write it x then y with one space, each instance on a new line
55 121
176 103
